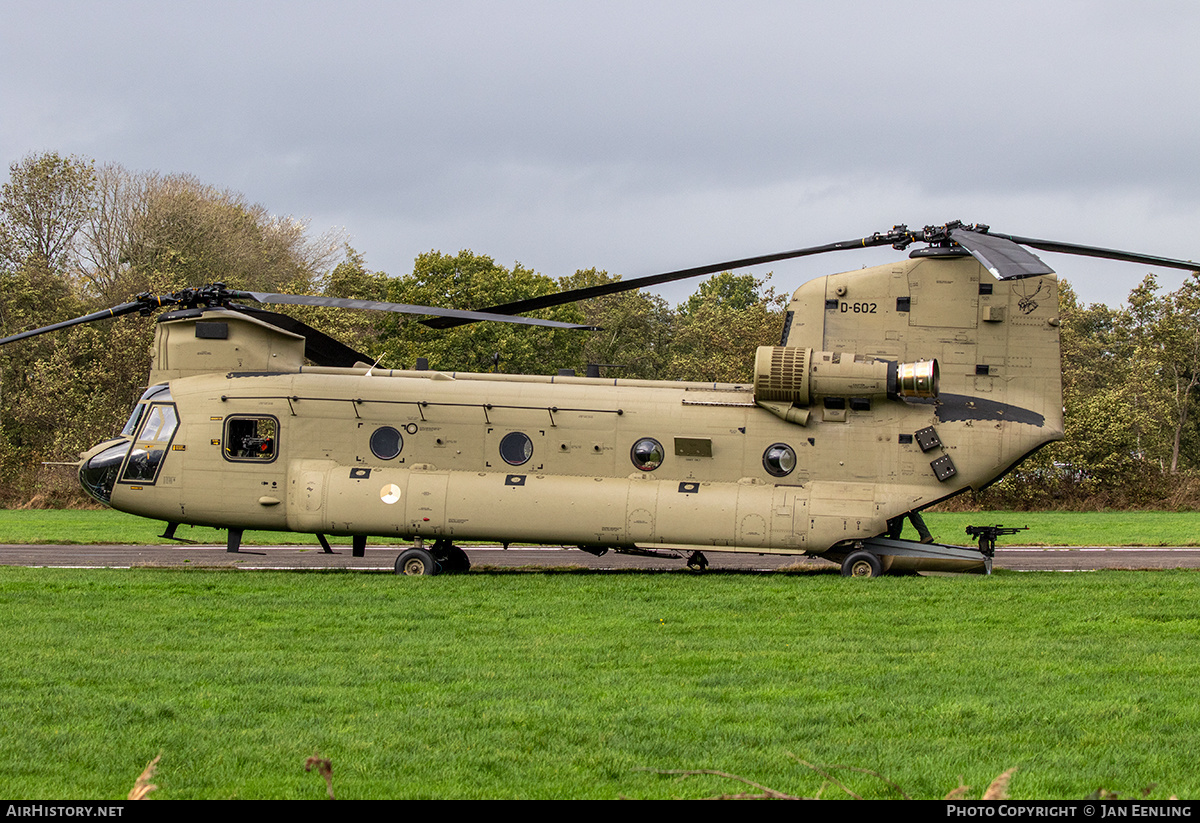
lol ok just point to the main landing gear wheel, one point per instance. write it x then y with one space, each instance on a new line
450 557
414 562
861 564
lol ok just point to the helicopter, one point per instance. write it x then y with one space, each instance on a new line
892 388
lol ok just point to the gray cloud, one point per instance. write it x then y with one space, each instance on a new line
637 137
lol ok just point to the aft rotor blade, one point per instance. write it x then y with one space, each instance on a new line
319 347
404 308
1000 254
619 286
115 311
1096 251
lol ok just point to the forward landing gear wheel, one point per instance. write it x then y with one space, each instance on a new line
416 562
862 564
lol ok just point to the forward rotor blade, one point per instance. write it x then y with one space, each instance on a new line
403 308
1096 251
115 311
619 286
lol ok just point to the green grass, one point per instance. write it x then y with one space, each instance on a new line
91 526
1045 528
574 685
1113 528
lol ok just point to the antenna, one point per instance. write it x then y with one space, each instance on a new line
373 365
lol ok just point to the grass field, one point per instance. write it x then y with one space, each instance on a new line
1045 528
583 685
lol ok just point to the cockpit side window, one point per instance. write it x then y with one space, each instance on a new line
150 446
251 437
160 424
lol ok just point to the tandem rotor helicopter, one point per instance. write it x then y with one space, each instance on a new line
892 388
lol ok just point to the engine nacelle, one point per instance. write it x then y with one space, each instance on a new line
802 377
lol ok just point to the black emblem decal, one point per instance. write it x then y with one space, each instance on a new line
1027 304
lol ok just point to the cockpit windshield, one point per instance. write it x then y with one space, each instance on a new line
161 392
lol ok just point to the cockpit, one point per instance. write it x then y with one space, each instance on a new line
137 455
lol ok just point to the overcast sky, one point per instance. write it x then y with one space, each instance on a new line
639 137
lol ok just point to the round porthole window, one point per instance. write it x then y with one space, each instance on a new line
647 454
779 459
516 448
386 443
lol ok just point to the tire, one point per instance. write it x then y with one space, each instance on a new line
453 559
861 564
462 563
413 562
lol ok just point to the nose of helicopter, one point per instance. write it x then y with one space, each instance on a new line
99 466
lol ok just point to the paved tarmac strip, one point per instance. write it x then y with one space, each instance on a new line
382 559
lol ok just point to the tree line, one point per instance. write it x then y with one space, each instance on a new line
1131 382
77 237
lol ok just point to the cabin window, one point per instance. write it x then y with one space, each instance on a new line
647 454
386 443
251 438
779 459
151 443
516 448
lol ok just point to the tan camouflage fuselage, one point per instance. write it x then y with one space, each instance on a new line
419 453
